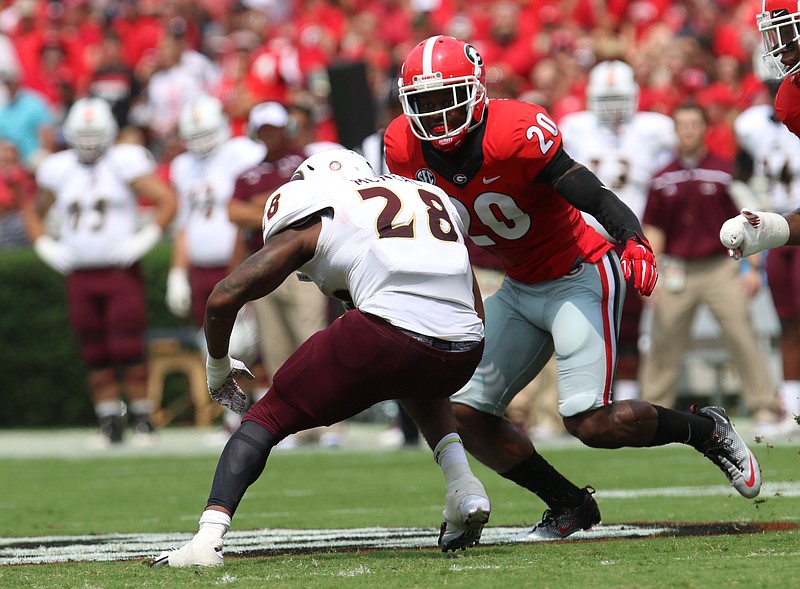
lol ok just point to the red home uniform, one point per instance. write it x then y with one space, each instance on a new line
535 232
787 103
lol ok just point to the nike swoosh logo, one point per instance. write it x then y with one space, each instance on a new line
752 480
490 180
563 529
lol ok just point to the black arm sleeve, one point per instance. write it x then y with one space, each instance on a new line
583 190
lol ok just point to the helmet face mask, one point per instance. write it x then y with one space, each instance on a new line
612 93
779 25
443 91
203 126
334 164
90 128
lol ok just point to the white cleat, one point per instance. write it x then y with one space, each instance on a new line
467 511
728 451
201 551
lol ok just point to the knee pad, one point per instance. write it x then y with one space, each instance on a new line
577 403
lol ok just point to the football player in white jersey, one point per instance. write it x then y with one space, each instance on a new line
769 159
394 250
93 188
205 239
624 147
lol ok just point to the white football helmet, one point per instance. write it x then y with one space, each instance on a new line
334 164
203 125
90 128
779 24
612 93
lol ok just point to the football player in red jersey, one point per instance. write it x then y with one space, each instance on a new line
755 231
520 196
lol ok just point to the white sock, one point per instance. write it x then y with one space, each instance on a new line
626 390
141 407
214 523
790 397
110 408
449 454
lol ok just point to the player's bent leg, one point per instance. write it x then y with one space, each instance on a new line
467 507
493 440
241 463
497 443
627 423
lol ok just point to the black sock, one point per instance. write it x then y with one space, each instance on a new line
685 428
241 463
537 475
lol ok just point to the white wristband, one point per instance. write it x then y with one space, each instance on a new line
217 370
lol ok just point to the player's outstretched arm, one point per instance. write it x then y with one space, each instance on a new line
751 232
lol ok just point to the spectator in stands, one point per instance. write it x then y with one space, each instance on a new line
170 83
687 198
27 121
93 187
116 83
16 188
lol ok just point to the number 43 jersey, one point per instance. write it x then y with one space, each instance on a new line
95 204
493 181
392 246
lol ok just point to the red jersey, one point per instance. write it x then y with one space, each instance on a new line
787 103
535 232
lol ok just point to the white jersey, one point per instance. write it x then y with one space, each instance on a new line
94 203
625 160
393 246
775 153
204 187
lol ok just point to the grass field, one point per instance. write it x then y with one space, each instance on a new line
126 505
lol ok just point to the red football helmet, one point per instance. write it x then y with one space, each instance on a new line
454 71
779 24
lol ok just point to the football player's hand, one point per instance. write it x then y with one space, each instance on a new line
638 261
222 386
751 232
58 256
179 292
128 251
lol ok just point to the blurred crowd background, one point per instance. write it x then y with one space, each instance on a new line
148 57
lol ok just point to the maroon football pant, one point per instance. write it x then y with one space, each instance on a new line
358 361
107 311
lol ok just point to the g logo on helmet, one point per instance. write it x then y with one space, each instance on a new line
473 55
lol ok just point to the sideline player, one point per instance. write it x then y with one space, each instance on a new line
624 148
520 196
393 249
93 187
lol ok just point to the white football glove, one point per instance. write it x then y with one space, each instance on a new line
58 256
128 251
179 292
220 375
753 231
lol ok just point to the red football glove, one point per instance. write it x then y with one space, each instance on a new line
638 260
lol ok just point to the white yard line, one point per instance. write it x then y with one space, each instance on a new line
112 547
